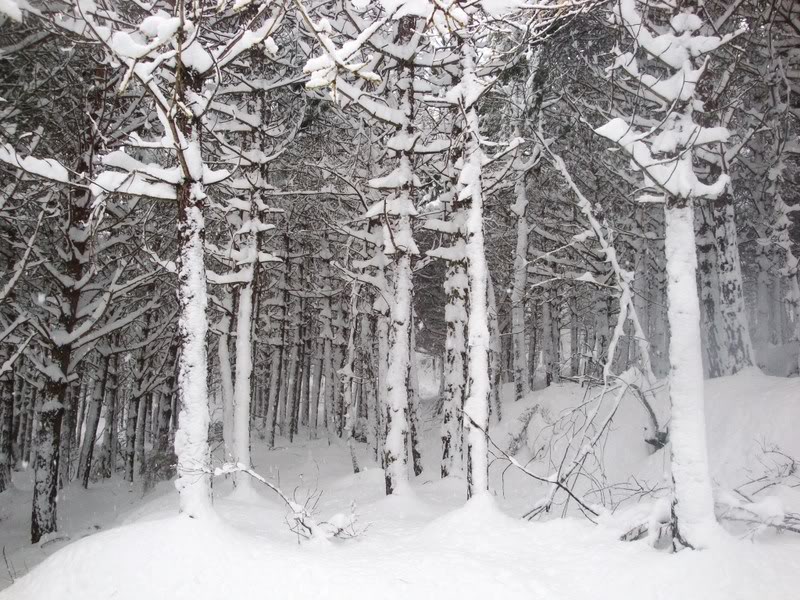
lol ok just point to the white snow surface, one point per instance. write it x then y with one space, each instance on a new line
427 543
10 9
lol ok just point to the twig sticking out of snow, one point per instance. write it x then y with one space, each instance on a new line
764 512
557 482
301 521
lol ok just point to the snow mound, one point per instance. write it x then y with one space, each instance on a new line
174 558
746 414
751 432
417 546
476 551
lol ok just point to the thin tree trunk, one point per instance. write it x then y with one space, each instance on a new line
732 307
226 377
715 349
394 451
347 381
244 373
549 361
574 339
519 289
476 407
314 391
165 413
92 421
67 435
413 410
276 368
32 426
495 352
292 399
80 408
6 420
382 332
305 392
24 441
337 413
111 430
141 428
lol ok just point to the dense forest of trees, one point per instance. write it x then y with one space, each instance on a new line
222 220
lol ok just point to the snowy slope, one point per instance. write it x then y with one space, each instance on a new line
746 414
427 544
471 552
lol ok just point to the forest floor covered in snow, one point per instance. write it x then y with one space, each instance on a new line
118 542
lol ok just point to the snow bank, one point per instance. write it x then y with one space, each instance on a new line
473 552
429 544
746 414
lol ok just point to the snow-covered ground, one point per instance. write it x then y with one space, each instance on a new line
428 544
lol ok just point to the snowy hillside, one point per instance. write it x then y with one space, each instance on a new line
427 544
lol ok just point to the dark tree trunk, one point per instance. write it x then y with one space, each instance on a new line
108 451
130 436
45 488
6 423
92 421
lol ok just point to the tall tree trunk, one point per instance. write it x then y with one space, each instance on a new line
347 380
28 401
108 449
295 360
130 434
549 350
713 345
693 504
314 390
339 349
226 377
470 189
733 315
45 487
326 334
92 421
66 435
244 373
19 407
456 289
165 413
495 352
191 436
519 290
395 455
275 384
80 408
283 392
413 408
6 419
382 333
305 375
574 339
476 407
141 429
31 431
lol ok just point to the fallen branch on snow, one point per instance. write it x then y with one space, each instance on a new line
301 520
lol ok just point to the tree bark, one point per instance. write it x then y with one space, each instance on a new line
693 503
92 421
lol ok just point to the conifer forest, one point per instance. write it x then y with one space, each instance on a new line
379 299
